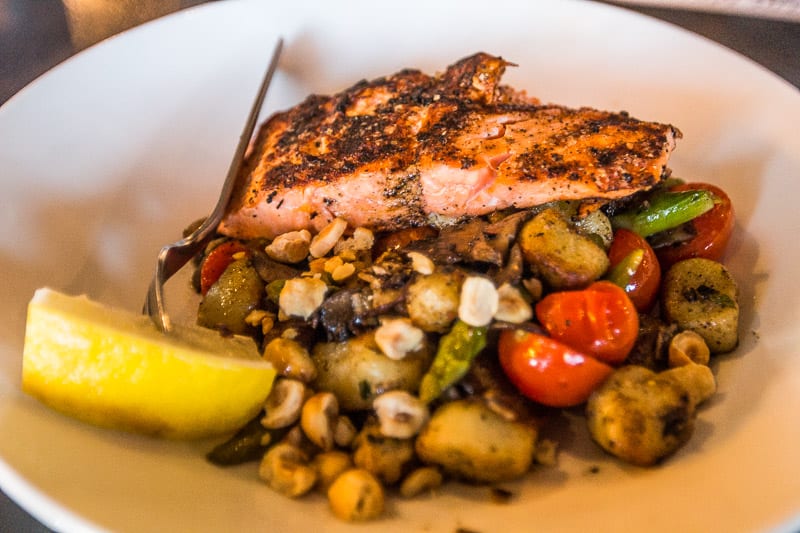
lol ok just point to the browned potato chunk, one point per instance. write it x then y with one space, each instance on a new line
357 371
702 296
640 416
469 440
558 254
432 301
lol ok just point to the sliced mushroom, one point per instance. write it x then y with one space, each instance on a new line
688 347
400 414
698 380
688 358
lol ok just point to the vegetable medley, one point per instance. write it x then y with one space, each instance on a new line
410 358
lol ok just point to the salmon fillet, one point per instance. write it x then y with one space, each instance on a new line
412 149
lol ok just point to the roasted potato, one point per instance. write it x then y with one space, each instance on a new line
702 296
471 441
432 301
357 371
640 416
560 255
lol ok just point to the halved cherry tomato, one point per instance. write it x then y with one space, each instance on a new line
216 262
642 286
600 320
548 371
713 230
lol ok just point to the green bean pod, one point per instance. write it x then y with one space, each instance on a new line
457 349
248 444
665 211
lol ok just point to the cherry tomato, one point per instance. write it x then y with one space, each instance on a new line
216 262
713 230
641 287
600 320
548 371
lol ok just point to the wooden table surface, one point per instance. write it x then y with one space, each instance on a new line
35 36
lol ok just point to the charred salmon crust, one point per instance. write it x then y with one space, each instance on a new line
411 149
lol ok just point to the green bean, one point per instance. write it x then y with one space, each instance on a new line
248 444
456 351
665 210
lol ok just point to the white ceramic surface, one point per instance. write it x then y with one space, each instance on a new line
108 156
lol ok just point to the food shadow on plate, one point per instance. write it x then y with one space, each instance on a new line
747 165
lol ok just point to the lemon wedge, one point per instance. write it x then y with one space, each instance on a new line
114 369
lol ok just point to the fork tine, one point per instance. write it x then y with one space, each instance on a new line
173 257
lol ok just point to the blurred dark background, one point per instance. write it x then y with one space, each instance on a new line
36 35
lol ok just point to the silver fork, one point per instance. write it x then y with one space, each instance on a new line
174 256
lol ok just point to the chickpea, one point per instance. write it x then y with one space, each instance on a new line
424 479
285 469
356 495
318 419
329 465
291 359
